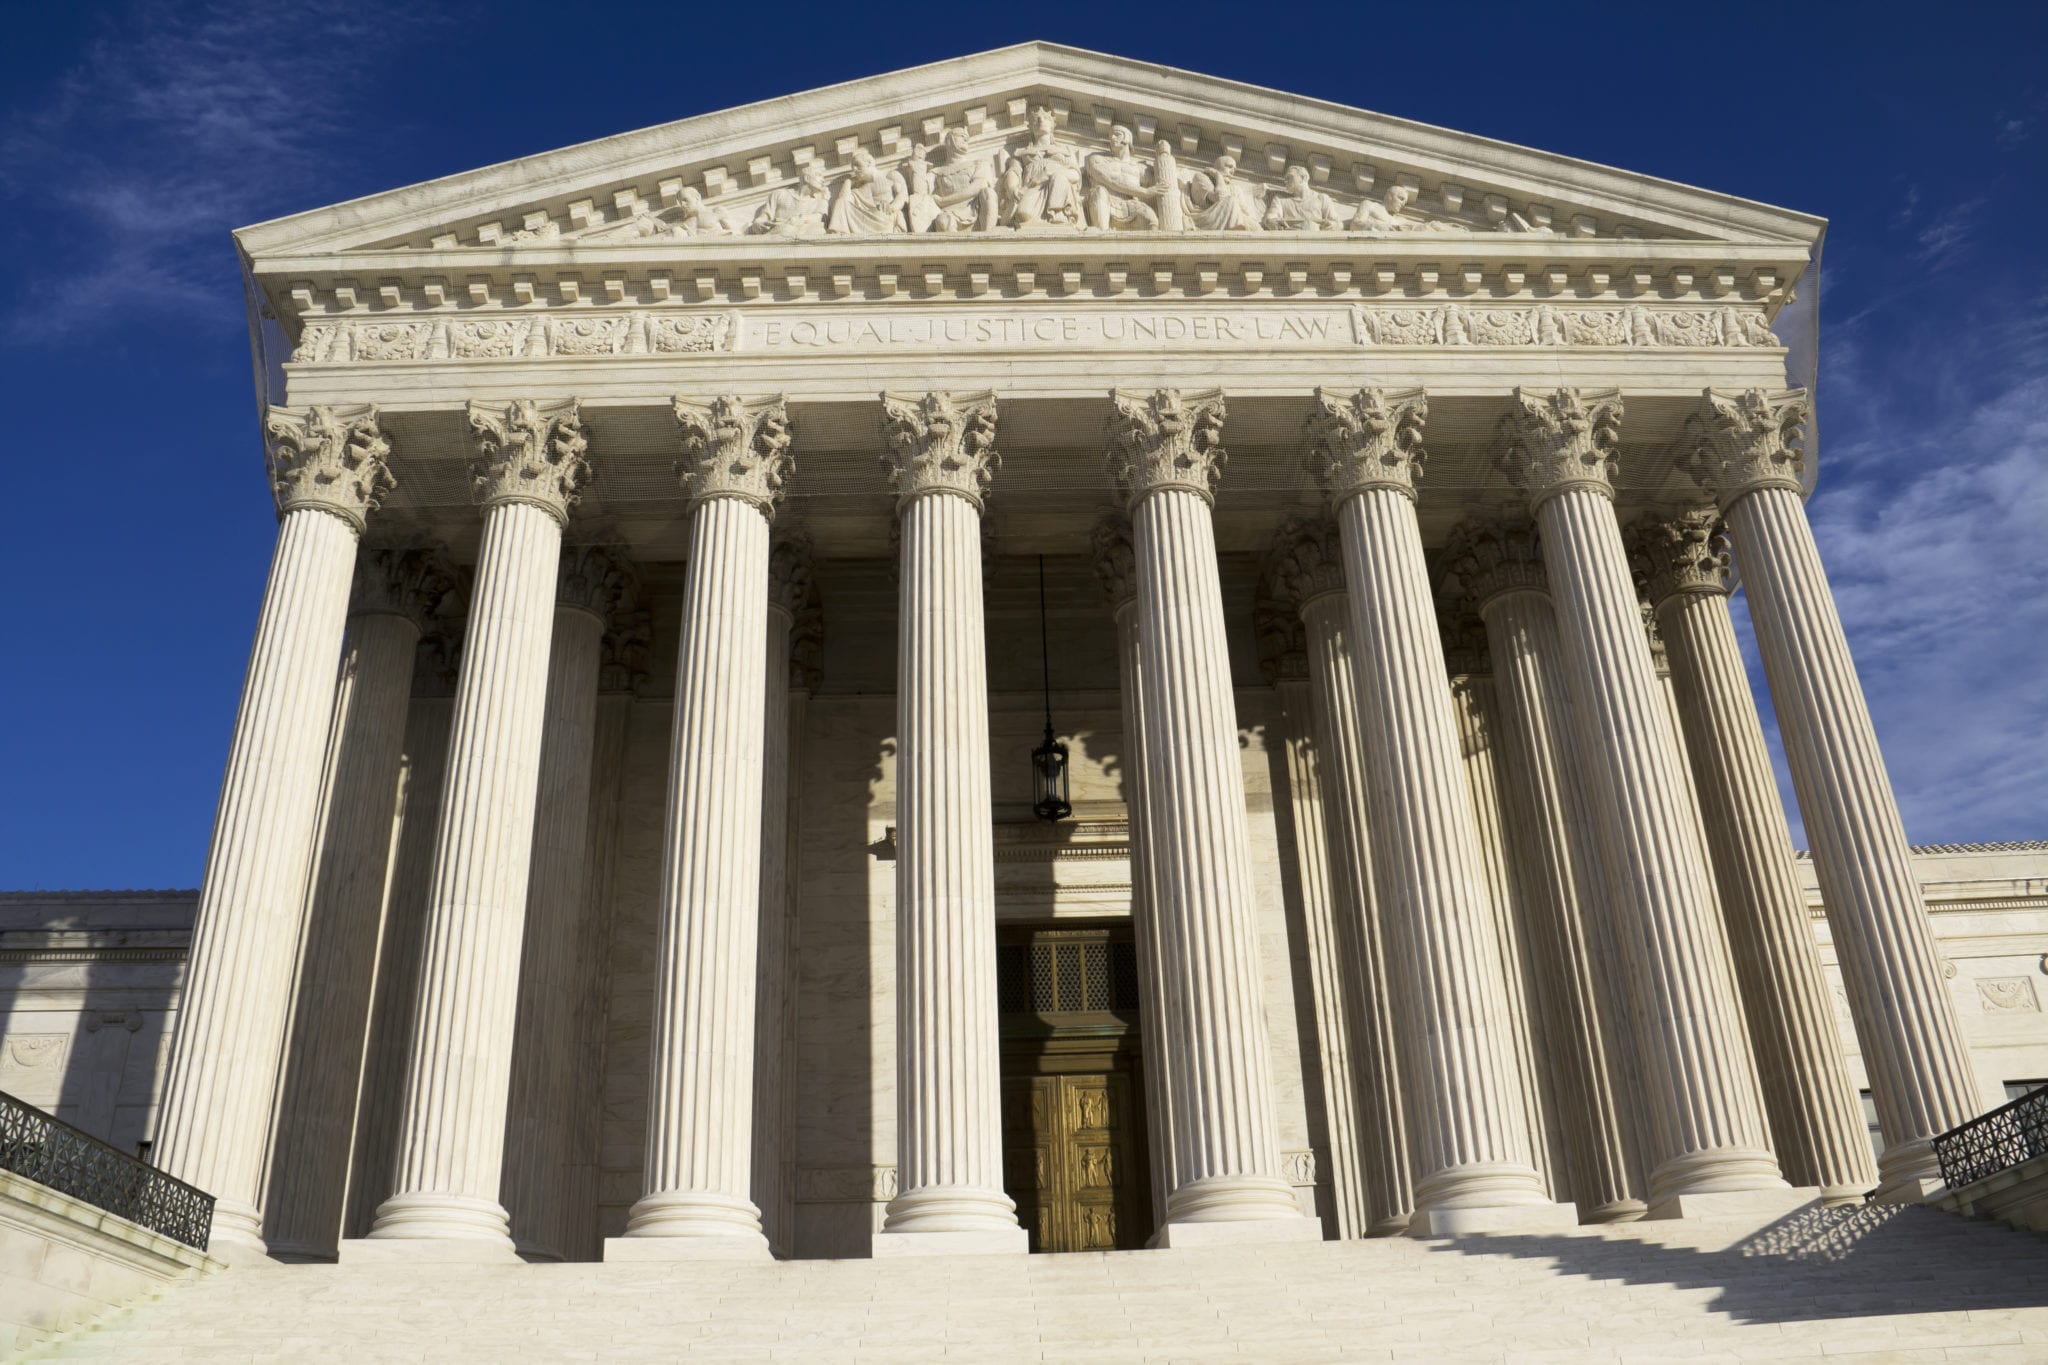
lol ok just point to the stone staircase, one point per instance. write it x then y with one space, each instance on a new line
1858 1284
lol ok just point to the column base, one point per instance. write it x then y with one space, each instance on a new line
237 1235
427 1251
1010 1241
1774 1203
1246 1232
1396 1226
1620 1211
736 1247
1842 1196
1911 1190
1465 1222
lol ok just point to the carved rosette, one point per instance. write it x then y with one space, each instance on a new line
1306 560
626 651
1564 439
735 448
1166 439
597 580
332 458
1116 561
1372 439
1738 442
530 452
409 583
1490 558
940 443
1686 554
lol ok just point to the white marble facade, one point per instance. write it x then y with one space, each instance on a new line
672 507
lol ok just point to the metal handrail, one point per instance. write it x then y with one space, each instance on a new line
54 1154
1994 1142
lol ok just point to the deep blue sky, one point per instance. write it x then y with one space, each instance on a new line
135 135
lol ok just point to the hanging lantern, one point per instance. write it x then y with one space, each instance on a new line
1048 760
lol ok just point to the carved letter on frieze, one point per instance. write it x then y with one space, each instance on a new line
940 443
530 452
735 448
332 458
1167 439
1564 439
1372 439
1740 441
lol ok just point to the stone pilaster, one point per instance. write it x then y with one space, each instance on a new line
1307 567
1816 1125
1333 980
1166 451
949 1158
1745 449
791 594
1560 451
1583 994
328 470
1472 1147
530 465
1116 565
699 1181
396 592
592 586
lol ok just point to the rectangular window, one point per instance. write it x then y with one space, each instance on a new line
2018 1089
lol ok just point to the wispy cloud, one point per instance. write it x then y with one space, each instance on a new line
179 123
1941 241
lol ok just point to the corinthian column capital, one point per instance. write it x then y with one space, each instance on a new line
1685 554
408 583
1116 562
1739 442
940 443
735 448
1560 440
626 651
1373 439
596 580
791 587
332 458
530 452
1306 561
1167 439
1283 640
1495 557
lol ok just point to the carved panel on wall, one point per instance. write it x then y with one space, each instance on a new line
32 1066
2007 995
846 1184
1300 1168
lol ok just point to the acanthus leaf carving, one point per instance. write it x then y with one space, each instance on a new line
940 442
1683 554
1167 439
735 448
332 458
1305 561
1489 558
1737 442
1116 560
1567 438
1370 439
413 583
598 580
530 452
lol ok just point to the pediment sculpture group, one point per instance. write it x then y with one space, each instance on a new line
1039 183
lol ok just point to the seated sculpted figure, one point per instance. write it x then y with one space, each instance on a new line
1222 203
1118 196
1042 180
798 210
1386 216
1299 206
695 218
963 188
870 199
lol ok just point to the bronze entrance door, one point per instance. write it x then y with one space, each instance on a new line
1074 1155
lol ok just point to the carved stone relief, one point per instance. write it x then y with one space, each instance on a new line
2008 995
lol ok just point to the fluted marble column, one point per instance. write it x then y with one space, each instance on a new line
699 1179
396 592
949 1142
1583 995
328 468
1560 451
1816 1124
1472 1152
1333 981
592 585
1166 451
1307 566
1116 565
1745 449
791 595
530 464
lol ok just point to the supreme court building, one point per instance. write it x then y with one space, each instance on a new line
706 555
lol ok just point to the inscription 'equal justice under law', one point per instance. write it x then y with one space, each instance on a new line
1057 329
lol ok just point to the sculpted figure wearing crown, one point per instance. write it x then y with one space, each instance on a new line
1041 182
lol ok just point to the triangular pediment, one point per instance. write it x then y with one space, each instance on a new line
1025 142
